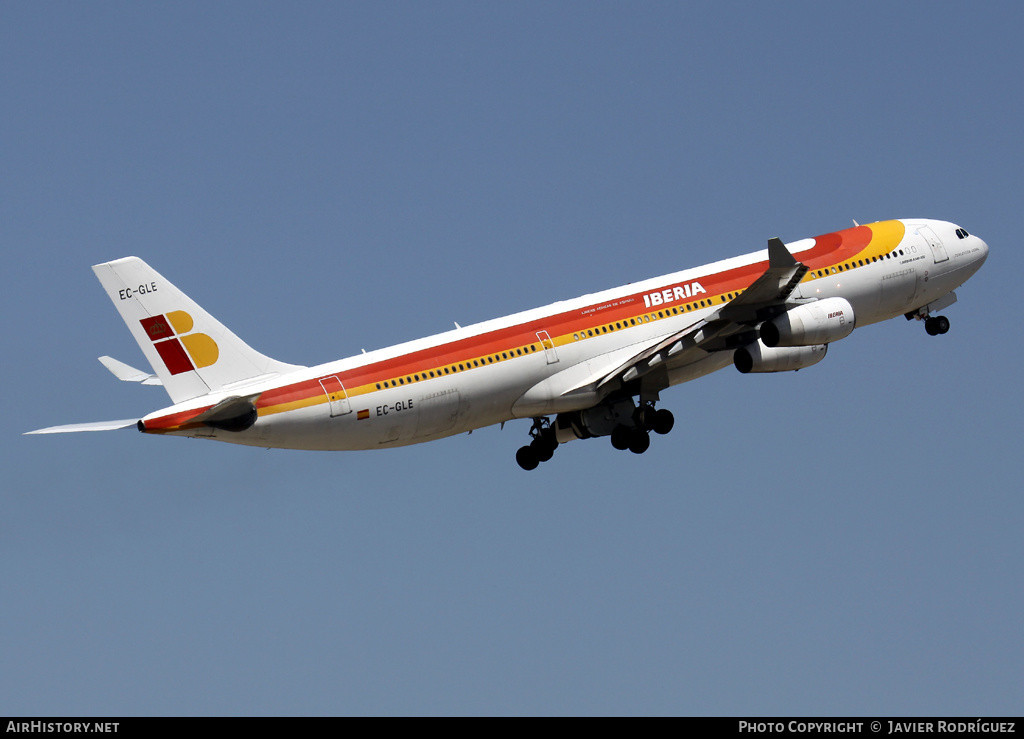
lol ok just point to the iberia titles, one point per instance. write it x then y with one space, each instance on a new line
672 294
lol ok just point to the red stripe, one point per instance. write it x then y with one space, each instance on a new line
175 420
828 249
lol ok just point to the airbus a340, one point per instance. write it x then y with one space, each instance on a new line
593 366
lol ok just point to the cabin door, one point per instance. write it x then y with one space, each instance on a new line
549 346
336 395
938 250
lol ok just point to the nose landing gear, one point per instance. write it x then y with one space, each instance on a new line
933 324
936 325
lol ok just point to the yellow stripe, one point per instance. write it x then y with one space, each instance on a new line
886 235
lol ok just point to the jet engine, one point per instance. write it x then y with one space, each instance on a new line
820 322
757 357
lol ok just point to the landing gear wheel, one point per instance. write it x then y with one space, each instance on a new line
640 442
936 325
527 458
543 449
621 437
663 421
644 417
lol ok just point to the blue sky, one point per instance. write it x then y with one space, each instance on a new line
327 177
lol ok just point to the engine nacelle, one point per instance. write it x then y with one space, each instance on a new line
757 357
820 322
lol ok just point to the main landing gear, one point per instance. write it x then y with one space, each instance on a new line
637 437
541 449
936 325
628 426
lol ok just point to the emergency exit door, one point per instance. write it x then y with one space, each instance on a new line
549 347
336 395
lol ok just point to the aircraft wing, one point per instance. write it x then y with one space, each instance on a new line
764 298
731 326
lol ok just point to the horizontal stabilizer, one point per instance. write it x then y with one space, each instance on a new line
127 373
97 426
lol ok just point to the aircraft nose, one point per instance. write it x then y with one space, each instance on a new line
980 260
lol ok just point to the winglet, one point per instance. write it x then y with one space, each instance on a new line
778 254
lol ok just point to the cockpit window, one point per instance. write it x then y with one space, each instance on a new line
961 233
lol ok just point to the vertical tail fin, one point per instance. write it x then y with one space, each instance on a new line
191 351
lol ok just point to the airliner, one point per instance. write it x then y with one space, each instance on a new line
589 367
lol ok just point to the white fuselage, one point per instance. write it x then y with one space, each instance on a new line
394 396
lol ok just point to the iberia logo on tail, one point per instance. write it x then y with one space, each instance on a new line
181 351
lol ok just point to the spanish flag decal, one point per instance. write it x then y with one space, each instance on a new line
180 350
363 414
